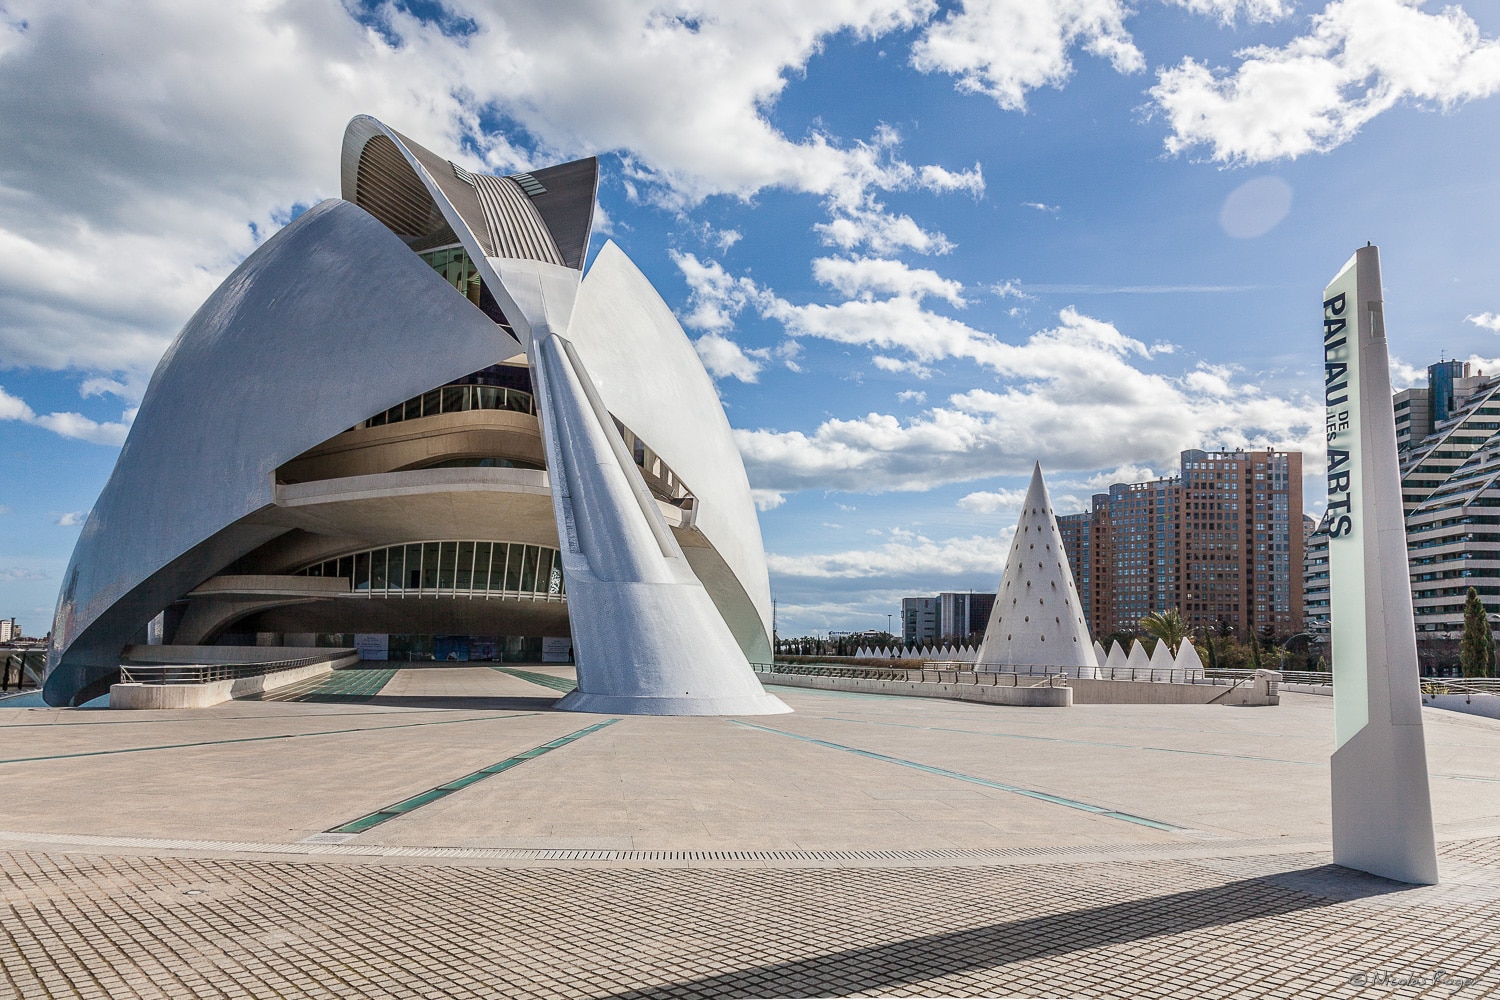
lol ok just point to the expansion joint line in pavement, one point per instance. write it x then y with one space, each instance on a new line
261 739
405 806
1085 743
544 680
1030 793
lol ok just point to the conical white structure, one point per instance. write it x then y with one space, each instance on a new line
1188 662
1116 656
1161 662
1038 618
1100 654
1137 660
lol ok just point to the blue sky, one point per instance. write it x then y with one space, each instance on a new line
919 245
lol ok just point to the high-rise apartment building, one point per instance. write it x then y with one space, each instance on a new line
9 630
1221 542
1078 543
1448 438
1315 593
1136 542
1242 540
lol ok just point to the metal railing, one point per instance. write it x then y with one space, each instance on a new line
939 674
1158 675
960 672
1461 685
456 399
207 673
832 670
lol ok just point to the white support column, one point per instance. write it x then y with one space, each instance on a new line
1382 809
647 638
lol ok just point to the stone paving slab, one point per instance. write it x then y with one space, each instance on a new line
83 925
864 845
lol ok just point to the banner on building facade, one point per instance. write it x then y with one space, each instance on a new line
373 645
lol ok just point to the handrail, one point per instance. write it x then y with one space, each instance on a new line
938 674
456 399
207 673
1461 685
981 671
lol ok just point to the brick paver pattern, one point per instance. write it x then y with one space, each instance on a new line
82 925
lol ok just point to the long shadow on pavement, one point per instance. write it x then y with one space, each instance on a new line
881 966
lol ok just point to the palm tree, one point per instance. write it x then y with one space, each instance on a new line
1167 627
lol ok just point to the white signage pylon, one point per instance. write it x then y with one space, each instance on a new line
1382 809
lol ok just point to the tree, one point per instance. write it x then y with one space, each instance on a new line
1167 627
1476 651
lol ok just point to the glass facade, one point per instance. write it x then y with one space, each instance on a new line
438 569
457 269
455 399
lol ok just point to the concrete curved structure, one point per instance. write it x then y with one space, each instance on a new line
416 391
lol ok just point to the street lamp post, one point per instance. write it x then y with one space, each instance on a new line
1285 643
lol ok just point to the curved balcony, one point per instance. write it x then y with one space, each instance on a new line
450 569
456 399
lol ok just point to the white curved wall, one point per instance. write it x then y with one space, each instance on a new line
652 380
330 321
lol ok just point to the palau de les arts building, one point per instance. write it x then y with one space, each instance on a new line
411 412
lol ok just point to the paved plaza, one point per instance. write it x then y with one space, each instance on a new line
439 831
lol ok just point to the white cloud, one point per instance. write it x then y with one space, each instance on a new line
715 296
862 277
901 366
912 396
152 145
990 502
1229 10
71 425
70 519
1101 481
725 359
102 387
1009 289
870 225
16 574
1489 321
1004 48
767 499
1360 58
1404 376
906 555
1073 398
1041 206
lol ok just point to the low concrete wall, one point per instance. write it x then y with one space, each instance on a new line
1260 690
1487 705
1326 690
132 696
956 690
